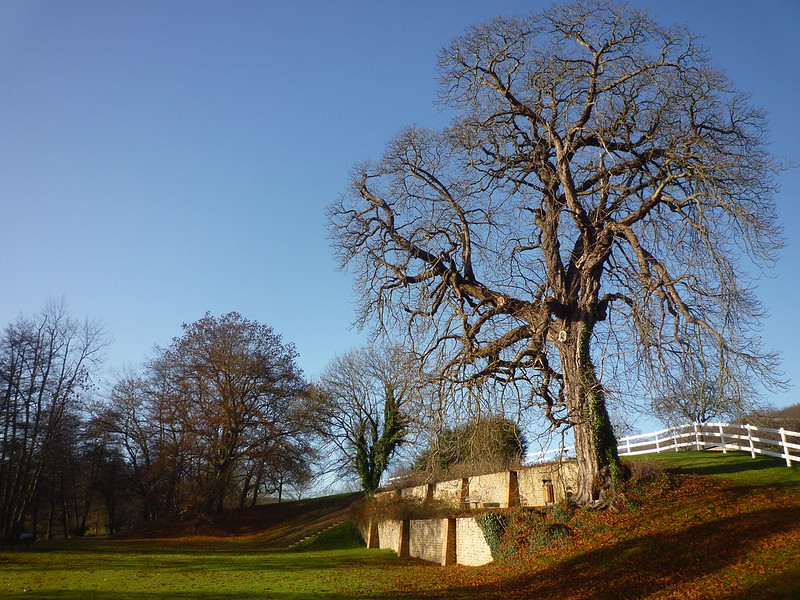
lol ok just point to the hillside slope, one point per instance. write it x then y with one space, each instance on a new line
270 525
730 533
715 527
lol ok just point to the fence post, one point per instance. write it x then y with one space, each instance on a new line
628 445
722 439
697 437
675 439
658 447
785 448
750 438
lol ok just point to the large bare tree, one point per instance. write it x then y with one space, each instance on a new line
601 196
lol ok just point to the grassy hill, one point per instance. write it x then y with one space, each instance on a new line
269 525
713 526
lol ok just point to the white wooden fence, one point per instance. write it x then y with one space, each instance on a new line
699 436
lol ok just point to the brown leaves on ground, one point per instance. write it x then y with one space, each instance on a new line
687 537
270 525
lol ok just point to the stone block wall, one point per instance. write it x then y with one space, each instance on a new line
471 546
428 539
389 535
461 541
491 489
521 487
443 541
531 481
419 492
448 491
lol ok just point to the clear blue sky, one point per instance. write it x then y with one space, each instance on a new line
163 159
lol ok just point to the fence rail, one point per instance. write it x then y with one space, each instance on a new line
779 443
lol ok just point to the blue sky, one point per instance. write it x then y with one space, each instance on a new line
163 159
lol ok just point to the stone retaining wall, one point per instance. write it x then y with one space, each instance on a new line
490 490
533 483
389 533
461 541
428 539
420 492
448 491
471 546
444 541
526 486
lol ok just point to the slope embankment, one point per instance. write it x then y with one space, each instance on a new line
270 525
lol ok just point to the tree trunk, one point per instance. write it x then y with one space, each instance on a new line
599 466
245 490
217 488
254 499
51 515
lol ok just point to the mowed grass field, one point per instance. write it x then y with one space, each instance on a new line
722 527
128 570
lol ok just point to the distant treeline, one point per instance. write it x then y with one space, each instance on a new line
215 419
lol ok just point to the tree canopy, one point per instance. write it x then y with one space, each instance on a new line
209 414
592 215
485 444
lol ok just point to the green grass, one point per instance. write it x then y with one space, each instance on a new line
762 471
125 570
341 537
745 533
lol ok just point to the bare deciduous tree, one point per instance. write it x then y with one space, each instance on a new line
602 186
45 364
699 398
224 392
361 407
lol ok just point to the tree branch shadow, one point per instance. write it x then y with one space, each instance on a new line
639 567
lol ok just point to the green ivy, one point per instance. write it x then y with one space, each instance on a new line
602 432
546 534
492 525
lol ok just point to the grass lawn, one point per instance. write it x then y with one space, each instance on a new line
680 535
148 570
765 471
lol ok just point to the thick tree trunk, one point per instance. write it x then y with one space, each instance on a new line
599 466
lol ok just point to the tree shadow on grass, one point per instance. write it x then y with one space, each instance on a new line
785 586
759 472
640 567
668 563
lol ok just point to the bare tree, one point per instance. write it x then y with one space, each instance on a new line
146 431
699 399
290 467
235 386
45 364
595 201
361 408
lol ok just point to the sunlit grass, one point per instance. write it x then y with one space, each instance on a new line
736 466
676 537
113 570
